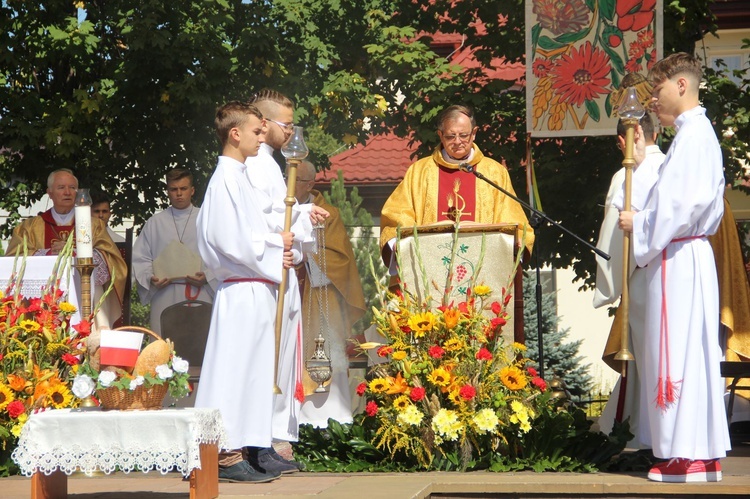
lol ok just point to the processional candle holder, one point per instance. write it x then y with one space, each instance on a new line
84 260
295 150
630 112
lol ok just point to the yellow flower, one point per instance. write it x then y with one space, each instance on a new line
422 323
482 290
401 403
59 396
30 326
446 424
519 347
400 355
485 420
513 378
379 385
67 307
439 377
453 344
20 421
411 415
6 396
451 317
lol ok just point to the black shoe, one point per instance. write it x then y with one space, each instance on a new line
243 472
278 457
262 459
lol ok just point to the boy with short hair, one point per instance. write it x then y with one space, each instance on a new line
247 259
680 369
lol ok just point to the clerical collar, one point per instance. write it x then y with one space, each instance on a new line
184 211
308 200
63 218
448 159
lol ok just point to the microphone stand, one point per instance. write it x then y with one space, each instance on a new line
535 220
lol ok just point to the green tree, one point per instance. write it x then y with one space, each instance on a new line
358 223
561 358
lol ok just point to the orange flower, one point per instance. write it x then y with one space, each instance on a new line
16 382
451 318
397 385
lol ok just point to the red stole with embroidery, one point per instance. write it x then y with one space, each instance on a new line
456 193
54 232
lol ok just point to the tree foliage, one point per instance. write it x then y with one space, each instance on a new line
130 90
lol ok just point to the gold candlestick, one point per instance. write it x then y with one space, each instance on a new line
85 267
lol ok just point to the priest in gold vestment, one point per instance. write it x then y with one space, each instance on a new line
46 234
435 189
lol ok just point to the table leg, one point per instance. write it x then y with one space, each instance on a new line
52 486
204 482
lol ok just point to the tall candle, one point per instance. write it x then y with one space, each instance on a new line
84 236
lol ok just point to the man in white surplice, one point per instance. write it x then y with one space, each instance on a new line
686 417
267 180
166 263
609 274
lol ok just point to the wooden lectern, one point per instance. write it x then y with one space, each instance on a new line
485 253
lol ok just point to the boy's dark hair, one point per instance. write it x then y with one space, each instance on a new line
452 112
232 115
99 197
646 123
178 174
672 65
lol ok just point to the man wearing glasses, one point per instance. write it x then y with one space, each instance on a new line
435 189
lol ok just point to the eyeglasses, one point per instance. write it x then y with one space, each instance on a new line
285 126
462 137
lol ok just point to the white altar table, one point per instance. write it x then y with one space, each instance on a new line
53 444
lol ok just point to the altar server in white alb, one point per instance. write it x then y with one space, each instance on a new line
166 262
687 423
266 178
247 259
626 402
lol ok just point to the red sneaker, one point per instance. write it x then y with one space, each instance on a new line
678 470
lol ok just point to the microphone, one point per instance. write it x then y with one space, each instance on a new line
465 167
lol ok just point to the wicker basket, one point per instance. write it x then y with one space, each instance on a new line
142 398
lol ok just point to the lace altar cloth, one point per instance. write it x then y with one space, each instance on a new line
92 439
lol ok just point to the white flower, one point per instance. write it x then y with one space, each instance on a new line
136 382
180 365
106 378
486 420
83 386
163 371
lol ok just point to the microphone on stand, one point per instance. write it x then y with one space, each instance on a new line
466 167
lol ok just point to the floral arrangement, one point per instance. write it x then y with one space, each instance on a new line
39 349
450 385
173 373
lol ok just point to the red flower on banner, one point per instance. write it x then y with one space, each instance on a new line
634 15
581 75
541 67
561 17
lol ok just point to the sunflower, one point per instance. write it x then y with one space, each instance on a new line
513 378
67 307
453 344
30 326
401 403
379 385
6 396
422 323
59 396
439 377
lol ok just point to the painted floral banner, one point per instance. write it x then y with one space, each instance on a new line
577 52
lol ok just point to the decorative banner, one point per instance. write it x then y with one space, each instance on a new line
577 52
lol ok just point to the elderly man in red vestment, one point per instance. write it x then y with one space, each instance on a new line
46 234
